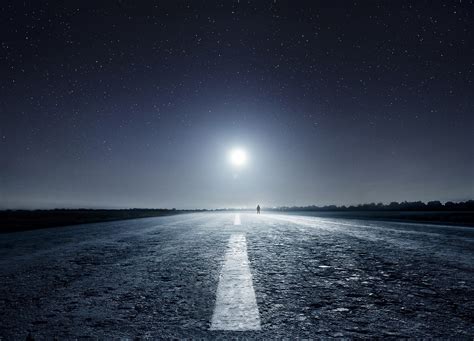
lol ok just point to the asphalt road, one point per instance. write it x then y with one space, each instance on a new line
198 274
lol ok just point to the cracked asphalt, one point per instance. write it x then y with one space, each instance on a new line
313 278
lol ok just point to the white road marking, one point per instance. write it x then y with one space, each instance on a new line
236 306
237 219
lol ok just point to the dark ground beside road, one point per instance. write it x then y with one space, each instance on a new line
313 277
22 220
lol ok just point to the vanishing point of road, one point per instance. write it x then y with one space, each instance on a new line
222 275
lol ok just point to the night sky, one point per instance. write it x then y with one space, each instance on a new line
137 104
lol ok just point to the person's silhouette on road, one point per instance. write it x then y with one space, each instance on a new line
258 209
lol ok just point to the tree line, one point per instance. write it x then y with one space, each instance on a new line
434 205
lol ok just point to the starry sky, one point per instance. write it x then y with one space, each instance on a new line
137 104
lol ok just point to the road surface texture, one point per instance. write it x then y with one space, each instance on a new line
221 275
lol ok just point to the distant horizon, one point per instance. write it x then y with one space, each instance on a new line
287 206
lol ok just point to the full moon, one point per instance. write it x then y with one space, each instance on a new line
238 157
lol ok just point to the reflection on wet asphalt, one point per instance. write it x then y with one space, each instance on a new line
313 277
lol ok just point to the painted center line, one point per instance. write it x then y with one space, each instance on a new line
236 306
237 219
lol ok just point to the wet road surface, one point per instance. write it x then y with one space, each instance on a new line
216 275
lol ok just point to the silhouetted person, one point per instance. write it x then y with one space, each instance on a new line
258 209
